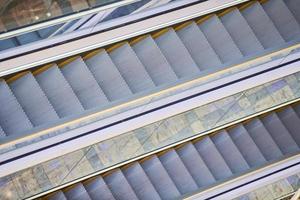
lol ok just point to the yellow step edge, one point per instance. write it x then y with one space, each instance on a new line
183 25
202 19
115 46
161 32
221 14
67 61
42 69
246 5
138 39
17 76
264 1
92 54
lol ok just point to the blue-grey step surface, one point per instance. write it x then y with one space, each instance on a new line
13 119
220 40
33 101
263 139
291 121
154 61
59 92
241 33
294 7
58 196
119 186
198 47
246 146
178 172
283 19
140 183
108 76
230 152
84 84
8 43
28 38
195 165
98 190
213 159
280 134
2 133
131 69
160 178
176 54
262 26
77 192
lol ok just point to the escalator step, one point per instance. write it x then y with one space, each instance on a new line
195 165
176 54
213 159
154 61
13 119
77 192
28 38
58 196
230 152
263 140
2 133
220 40
282 18
59 92
199 48
131 69
262 26
140 183
292 122
34 102
98 190
280 134
84 84
294 7
108 76
160 178
119 186
246 146
178 172
241 33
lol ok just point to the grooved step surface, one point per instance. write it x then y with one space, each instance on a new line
220 40
213 159
140 183
57 196
84 84
98 190
77 192
292 122
246 146
294 7
28 38
262 26
280 134
282 18
241 33
198 47
263 140
195 165
131 69
13 120
178 172
230 152
176 54
160 178
119 186
108 76
59 92
154 61
2 133
34 102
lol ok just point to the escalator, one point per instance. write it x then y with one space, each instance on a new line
198 164
96 79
